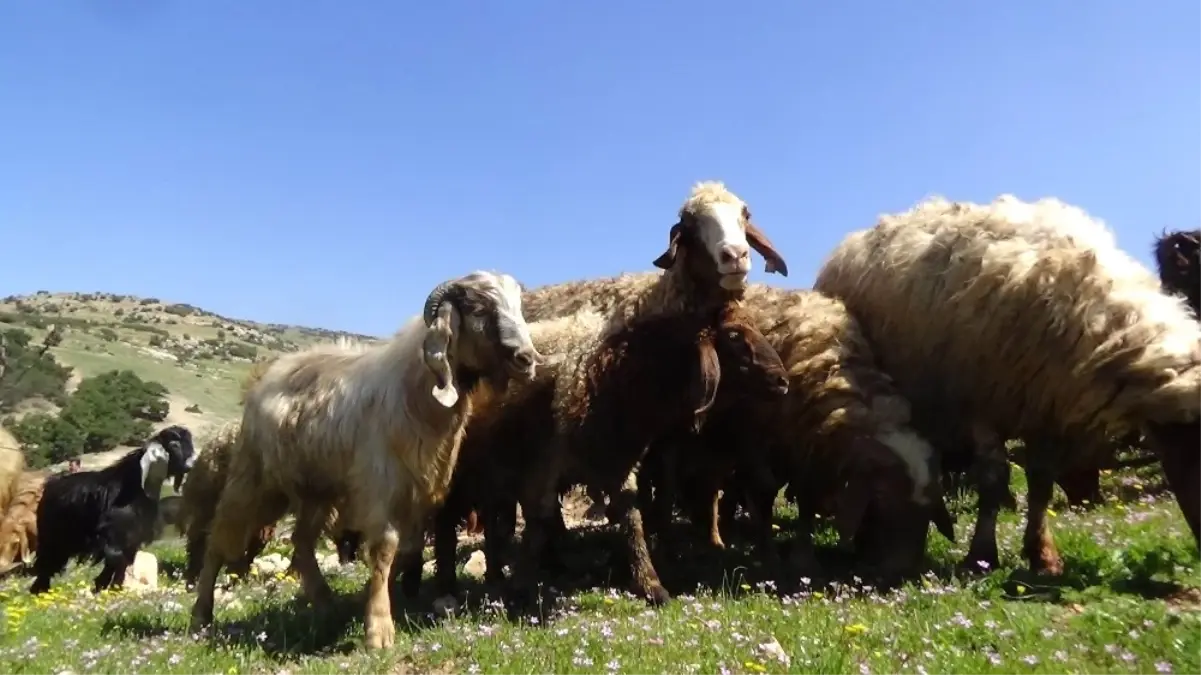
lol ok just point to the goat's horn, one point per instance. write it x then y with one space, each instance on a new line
440 293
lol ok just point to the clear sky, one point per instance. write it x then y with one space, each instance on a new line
326 163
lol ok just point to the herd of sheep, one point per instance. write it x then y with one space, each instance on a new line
927 342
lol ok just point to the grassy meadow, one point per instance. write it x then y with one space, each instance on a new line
1128 602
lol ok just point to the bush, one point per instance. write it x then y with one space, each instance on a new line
29 375
180 309
108 334
111 409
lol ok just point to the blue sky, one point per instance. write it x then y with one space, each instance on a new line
326 163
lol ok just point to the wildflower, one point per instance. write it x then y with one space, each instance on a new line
754 667
855 628
1030 660
1060 655
1163 667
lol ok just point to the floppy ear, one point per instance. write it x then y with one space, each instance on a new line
760 242
435 350
154 465
668 258
704 385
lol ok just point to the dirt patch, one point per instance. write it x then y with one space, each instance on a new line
1185 598
199 424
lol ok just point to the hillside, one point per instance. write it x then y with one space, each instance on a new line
199 356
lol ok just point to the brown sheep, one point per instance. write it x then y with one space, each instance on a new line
615 398
19 525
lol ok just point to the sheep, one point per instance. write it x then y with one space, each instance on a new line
1178 256
199 498
18 527
372 431
832 364
1025 320
842 435
107 514
504 433
618 393
705 265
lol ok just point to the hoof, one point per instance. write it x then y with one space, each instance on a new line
657 596
381 635
1048 565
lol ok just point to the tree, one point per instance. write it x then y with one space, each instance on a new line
110 409
29 371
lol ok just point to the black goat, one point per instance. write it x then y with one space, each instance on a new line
107 515
1178 255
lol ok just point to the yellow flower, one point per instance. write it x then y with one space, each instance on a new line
745 587
751 665
819 595
1021 590
1051 512
608 601
855 628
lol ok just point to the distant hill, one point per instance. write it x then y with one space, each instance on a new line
199 356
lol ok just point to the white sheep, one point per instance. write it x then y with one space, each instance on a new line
372 431
706 263
1016 319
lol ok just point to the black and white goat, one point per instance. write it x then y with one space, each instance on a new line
107 515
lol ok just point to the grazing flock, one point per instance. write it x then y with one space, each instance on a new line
927 342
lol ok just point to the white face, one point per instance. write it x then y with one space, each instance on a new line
505 292
723 234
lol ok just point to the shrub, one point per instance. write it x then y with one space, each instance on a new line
108 334
30 374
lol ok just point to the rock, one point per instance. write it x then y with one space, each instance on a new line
142 575
476 565
270 564
329 561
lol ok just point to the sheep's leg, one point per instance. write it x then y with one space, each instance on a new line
803 558
1038 545
380 631
500 525
197 541
46 564
991 469
1081 485
446 540
1176 446
760 497
642 569
245 507
664 500
310 521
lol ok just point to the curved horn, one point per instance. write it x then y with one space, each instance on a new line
443 291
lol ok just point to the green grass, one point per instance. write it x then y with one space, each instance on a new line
1128 602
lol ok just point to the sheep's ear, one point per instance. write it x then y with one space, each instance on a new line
436 352
852 507
704 387
760 242
154 464
668 258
